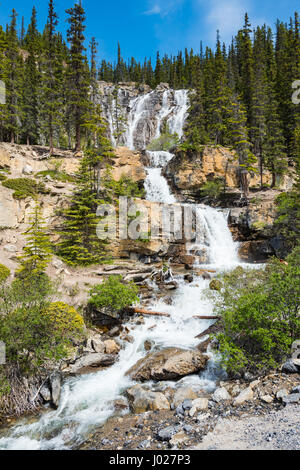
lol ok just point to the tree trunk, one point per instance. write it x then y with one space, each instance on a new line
142 311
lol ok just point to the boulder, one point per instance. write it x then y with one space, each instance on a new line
91 360
142 400
111 347
167 433
267 399
55 386
98 345
245 395
281 394
168 364
289 367
291 399
220 394
200 404
182 394
45 393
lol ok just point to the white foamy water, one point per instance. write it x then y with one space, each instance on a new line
173 112
176 122
214 238
156 185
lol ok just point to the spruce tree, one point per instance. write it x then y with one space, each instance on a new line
79 243
77 71
13 74
31 85
53 80
37 253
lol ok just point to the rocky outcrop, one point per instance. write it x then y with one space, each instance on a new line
128 163
188 172
168 364
136 114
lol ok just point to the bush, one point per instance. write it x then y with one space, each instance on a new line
260 315
124 187
65 319
4 273
25 187
213 189
113 294
57 175
33 329
165 142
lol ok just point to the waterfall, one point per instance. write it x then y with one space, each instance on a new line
156 185
138 110
176 122
145 115
164 112
88 401
213 238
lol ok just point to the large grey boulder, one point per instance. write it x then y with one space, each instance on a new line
168 364
142 400
91 360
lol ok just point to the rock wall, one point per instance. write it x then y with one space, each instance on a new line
136 114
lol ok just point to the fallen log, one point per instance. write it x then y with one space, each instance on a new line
207 317
142 311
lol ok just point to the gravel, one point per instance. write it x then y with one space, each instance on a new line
278 430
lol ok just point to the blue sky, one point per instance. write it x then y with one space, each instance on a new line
145 26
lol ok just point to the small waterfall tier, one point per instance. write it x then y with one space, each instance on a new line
137 116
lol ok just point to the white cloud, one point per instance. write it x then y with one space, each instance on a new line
163 7
226 16
155 10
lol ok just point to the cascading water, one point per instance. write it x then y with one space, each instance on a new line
87 401
138 110
156 185
213 238
175 123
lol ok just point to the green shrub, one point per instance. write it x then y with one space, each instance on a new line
125 187
165 142
4 273
260 315
287 222
25 187
57 175
31 336
65 319
113 294
213 189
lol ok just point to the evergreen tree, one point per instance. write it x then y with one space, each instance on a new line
37 252
79 244
77 71
31 86
53 79
13 73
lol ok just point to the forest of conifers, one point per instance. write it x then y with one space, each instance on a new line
242 94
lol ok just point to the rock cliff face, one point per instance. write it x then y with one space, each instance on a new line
187 172
136 114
